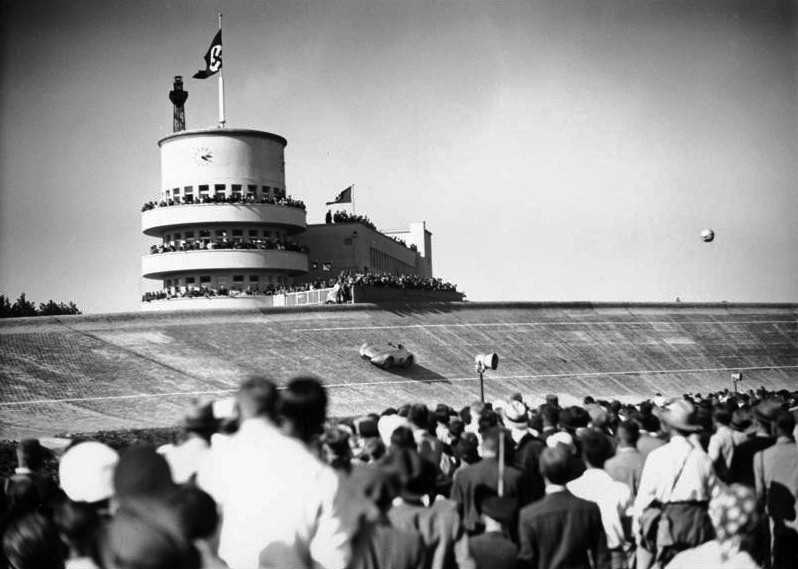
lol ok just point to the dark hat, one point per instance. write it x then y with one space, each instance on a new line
200 418
468 448
500 508
368 428
573 418
767 410
740 420
142 472
553 399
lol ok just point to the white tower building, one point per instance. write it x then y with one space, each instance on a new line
224 223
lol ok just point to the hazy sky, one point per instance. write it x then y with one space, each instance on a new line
558 150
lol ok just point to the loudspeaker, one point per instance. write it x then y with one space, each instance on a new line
488 361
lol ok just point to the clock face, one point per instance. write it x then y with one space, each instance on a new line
203 156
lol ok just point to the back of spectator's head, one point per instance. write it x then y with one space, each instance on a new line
199 419
142 472
78 524
468 448
32 542
599 417
146 534
419 415
488 419
491 441
722 414
404 410
30 454
515 415
552 399
196 511
335 448
367 428
588 400
86 472
628 433
573 418
257 398
303 407
784 424
555 465
648 422
476 408
596 448
442 414
416 475
517 397
550 415
373 450
22 496
402 438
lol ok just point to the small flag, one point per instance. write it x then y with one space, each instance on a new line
213 58
343 197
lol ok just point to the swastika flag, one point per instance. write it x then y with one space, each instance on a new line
213 58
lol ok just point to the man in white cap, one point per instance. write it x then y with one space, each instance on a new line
680 476
86 473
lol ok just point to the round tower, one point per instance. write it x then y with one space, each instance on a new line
224 223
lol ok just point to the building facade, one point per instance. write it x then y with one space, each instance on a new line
223 220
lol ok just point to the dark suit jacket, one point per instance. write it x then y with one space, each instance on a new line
493 550
468 480
382 546
562 531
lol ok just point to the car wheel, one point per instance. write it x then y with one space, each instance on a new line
408 362
387 363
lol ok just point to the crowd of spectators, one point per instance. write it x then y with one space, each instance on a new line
202 291
344 216
411 282
224 243
266 479
224 199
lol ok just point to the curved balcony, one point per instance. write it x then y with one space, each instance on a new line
155 221
287 262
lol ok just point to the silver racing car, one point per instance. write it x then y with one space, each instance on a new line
386 355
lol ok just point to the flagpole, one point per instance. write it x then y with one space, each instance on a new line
221 84
354 211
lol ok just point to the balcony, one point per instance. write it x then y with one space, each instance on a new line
162 264
156 221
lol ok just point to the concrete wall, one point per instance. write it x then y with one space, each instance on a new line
349 246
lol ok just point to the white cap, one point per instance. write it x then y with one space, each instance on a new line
87 470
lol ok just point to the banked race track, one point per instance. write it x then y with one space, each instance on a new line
86 373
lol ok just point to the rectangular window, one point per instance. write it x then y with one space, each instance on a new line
176 236
266 191
189 235
252 233
205 279
190 280
204 233
236 188
219 188
175 191
189 190
204 188
267 234
252 188
238 278
238 232
254 278
166 238
221 233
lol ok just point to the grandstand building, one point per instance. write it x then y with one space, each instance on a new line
223 219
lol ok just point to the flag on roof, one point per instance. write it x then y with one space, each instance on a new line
213 58
343 197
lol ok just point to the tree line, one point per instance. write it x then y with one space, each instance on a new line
24 307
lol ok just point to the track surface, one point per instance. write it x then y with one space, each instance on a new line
83 373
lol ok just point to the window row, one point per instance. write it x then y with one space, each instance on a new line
232 282
252 191
382 262
225 233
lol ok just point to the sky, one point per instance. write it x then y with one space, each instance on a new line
568 150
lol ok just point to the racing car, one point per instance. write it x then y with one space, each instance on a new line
386 355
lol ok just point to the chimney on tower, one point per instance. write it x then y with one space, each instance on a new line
178 98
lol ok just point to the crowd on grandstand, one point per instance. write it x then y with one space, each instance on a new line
224 243
268 480
344 216
341 287
224 199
